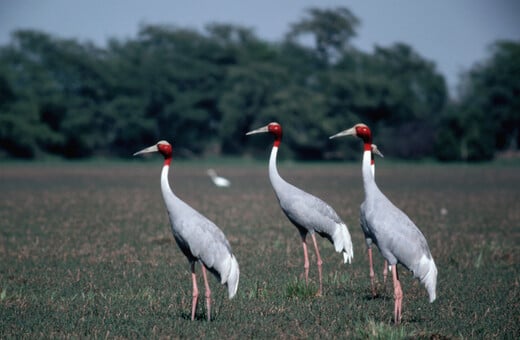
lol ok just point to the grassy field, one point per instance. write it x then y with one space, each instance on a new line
86 250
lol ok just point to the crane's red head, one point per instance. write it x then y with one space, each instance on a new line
363 132
163 147
274 128
360 130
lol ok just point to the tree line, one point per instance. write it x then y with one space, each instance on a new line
202 90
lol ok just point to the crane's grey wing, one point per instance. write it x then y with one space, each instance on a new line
205 242
195 229
396 234
365 227
216 254
203 237
411 249
310 212
399 240
200 239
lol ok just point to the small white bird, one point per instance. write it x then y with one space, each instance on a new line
220 182
199 239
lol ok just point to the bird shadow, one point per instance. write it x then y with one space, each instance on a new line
381 293
369 297
200 317
415 319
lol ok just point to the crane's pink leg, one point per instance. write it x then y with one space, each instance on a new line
398 295
319 262
385 271
208 292
305 260
195 292
372 274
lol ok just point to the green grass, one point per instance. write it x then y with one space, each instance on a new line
86 251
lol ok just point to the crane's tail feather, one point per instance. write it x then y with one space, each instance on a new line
226 270
343 243
233 277
427 274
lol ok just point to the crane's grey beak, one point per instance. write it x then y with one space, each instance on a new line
152 148
376 151
348 132
260 130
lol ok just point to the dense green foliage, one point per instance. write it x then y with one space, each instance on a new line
487 116
86 251
204 90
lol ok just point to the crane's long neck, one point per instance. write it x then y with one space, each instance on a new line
165 185
166 190
367 168
273 171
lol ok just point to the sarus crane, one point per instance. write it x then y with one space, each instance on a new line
199 239
396 236
308 213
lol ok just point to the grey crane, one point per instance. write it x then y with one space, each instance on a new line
199 239
308 213
396 236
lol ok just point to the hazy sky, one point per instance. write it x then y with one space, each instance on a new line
453 33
